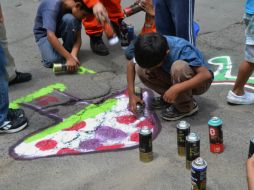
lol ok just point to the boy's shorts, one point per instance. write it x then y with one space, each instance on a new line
249 35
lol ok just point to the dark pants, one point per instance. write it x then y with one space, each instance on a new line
4 99
160 81
175 18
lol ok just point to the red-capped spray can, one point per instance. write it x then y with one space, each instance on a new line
216 135
198 174
133 9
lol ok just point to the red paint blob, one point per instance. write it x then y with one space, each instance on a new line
135 137
147 122
126 119
46 144
109 147
67 151
76 126
45 100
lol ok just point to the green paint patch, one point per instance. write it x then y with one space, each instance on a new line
89 112
42 92
83 70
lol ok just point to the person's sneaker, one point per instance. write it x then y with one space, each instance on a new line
172 114
247 98
15 113
159 103
21 77
14 125
97 45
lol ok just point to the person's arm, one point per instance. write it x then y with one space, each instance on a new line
76 46
133 99
70 60
1 15
202 75
250 172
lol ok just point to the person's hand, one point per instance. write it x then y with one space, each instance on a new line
171 94
76 58
72 64
147 6
133 100
100 12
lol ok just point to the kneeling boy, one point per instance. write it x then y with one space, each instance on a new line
173 68
60 19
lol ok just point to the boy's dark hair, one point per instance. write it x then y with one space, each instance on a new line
84 7
150 49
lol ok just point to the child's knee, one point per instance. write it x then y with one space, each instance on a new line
70 21
181 69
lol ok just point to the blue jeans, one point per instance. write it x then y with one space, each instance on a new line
67 30
4 99
175 18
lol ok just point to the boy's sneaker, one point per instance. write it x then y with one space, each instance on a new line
98 46
14 125
172 114
159 103
247 98
15 113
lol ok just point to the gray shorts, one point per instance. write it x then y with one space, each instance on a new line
249 34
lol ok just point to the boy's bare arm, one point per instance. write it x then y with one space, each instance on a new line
202 75
250 172
133 99
70 60
76 46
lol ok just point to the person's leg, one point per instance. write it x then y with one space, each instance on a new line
69 26
48 54
4 99
157 80
163 17
10 66
244 72
94 30
183 11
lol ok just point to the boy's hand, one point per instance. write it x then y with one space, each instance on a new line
72 64
100 12
147 5
171 94
133 100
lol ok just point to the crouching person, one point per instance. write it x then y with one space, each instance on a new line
173 68
60 19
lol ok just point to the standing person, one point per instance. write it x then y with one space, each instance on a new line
60 19
173 68
14 76
93 23
238 95
175 18
11 121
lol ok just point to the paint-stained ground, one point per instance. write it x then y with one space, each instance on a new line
222 34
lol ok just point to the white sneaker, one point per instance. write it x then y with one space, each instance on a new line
247 98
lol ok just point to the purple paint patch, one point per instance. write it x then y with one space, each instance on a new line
106 133
91 144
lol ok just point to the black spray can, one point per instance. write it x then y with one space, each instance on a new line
251 148
145 144
192 148
183 130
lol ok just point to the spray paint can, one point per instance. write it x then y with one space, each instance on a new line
251 148
216 135
183 130
110 33
192 148
59 68
145 144
133 9
198 174
131 33
139 92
